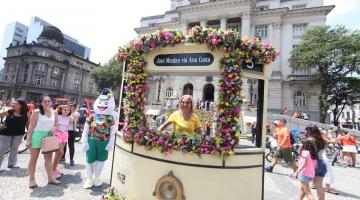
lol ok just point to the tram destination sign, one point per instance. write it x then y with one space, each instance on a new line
252 67
184 59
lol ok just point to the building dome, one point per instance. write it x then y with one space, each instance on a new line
52 33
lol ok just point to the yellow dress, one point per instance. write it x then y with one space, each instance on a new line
184 126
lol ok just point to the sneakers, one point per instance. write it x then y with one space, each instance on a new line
62 160
13 166
56 174
72 164
88 183
269 169
98 182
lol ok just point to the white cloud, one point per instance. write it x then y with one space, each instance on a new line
342 7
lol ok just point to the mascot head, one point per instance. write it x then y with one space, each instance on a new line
105 103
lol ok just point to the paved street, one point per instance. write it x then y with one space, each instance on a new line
278 185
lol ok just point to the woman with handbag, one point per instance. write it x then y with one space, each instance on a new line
12 132
43 123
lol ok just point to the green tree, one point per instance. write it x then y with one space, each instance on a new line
345 93
332 54
108 75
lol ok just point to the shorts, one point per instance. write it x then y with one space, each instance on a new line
36 138
285 153
321 169
97 151
350 149
62 136
305 179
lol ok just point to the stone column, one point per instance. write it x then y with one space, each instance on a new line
276 42
223 23
184 25
30 73
245 24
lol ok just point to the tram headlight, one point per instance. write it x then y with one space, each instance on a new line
169 187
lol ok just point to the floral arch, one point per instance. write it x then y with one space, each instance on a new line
237 52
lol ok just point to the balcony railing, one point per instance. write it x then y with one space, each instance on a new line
299 77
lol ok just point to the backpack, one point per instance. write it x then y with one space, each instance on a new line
292 139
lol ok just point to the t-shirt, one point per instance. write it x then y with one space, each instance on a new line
309 169
63 123
347 140
281 134
184 126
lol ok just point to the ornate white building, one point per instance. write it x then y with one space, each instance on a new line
280 22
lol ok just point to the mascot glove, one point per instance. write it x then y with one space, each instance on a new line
109 147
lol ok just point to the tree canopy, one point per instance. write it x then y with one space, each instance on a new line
333 55
108 75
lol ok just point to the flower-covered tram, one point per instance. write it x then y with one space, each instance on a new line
152 164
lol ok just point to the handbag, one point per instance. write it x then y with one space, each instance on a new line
49 145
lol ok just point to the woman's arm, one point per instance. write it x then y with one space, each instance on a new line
198 130
55 124
4 114
164 125
301 167
32 124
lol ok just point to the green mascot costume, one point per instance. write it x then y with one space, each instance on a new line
98 137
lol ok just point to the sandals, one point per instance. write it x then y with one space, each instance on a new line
32 186
54 182
331 191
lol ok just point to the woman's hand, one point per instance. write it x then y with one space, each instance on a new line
295 175
2 126
28 143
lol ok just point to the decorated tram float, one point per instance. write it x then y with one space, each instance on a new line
151 164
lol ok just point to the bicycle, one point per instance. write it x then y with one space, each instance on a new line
271 145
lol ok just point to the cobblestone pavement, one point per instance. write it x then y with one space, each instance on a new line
278 185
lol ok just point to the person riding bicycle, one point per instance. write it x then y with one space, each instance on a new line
284 148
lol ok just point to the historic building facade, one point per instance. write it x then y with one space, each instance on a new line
46 68
281 22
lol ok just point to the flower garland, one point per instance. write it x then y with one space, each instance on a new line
237 52
113 195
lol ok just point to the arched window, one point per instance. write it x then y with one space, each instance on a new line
300 99
169 93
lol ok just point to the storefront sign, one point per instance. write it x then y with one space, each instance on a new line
184 59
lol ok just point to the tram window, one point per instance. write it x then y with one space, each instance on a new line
160 105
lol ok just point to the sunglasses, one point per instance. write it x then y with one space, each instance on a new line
186 102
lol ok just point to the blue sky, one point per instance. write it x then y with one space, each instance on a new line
105 25
346 12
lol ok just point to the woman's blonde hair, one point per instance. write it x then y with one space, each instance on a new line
187 96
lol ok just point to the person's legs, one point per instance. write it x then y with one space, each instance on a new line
318 182
71 143
4 146
14 147
347 157
64 154
307 190
34 155
48 167
301 191
353 158
58 156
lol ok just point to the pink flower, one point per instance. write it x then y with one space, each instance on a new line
214 42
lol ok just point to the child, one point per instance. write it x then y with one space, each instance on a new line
61 133
306 170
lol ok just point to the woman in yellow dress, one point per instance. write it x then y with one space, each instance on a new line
184 120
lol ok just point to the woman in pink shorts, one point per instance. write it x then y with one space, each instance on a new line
61 133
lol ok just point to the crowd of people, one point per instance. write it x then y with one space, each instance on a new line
38 121
313 168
